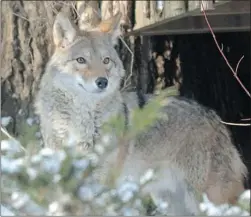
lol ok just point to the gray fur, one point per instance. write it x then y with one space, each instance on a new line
191 148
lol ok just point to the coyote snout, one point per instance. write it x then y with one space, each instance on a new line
96 85
93 75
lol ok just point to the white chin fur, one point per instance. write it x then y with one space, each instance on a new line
89 87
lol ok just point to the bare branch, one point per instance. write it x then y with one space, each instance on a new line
235 124
223 55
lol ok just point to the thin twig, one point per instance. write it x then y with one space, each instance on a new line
235 124
223 55
222 47
52 5
76 11
237 66
20 16
132 62
246 119
5 132
227 62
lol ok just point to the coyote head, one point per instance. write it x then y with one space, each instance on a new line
89 57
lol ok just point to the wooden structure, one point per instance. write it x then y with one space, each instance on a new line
186 17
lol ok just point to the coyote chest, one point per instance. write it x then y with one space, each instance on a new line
87 122
84 130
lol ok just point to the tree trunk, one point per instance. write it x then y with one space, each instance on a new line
26 47
145 49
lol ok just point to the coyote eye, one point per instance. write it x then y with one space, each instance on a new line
81 60
106 60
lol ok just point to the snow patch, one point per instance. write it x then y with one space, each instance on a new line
5 211
5 121
30 121
11 145
147 176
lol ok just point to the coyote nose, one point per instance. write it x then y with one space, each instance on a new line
101 82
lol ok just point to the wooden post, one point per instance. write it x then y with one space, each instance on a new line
145 58
130 14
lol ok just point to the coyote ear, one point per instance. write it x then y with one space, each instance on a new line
64 32
112 27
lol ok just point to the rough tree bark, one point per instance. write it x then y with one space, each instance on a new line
26 47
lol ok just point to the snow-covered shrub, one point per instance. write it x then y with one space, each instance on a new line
42 181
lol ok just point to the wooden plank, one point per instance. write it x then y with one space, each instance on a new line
156 13
140 18
207 5
222 8
192 5
174 8
197 24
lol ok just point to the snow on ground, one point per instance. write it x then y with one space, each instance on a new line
225 210
5 211
5 121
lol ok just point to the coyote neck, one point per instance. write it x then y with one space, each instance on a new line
103 111
108 107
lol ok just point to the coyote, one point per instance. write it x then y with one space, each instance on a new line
80 91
